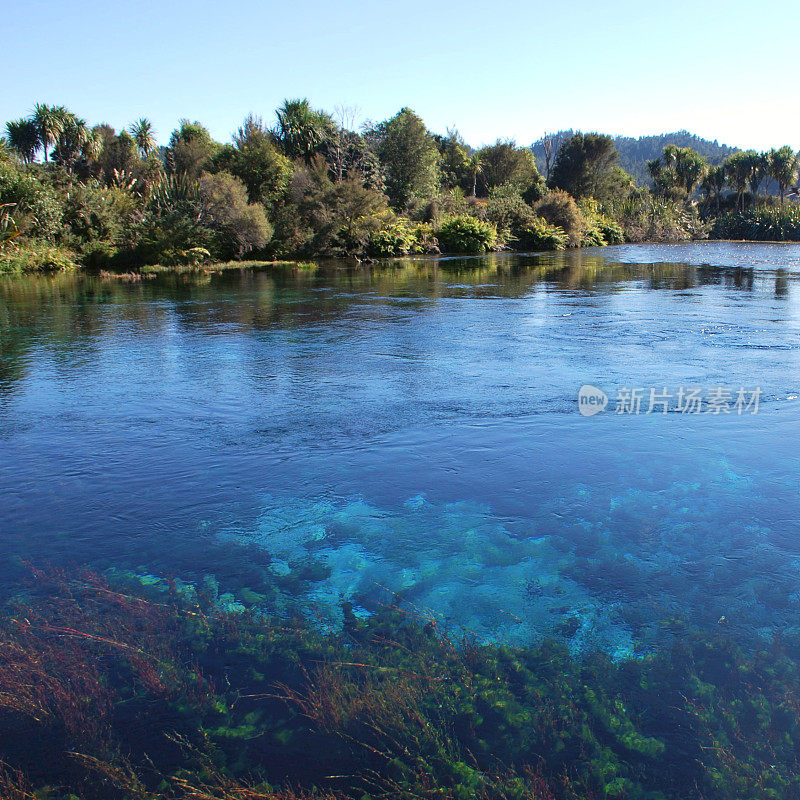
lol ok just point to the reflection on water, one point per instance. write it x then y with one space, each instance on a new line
300 437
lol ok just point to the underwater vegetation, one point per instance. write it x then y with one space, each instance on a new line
133 689
595 566
456 559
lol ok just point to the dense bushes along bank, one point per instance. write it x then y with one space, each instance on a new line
148 689
311 186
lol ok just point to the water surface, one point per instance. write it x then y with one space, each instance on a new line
296 439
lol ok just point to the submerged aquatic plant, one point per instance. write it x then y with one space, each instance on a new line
126 689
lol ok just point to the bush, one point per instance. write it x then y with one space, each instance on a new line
509 213
394 240
600 229
610 230
541 235
645 218
560 209
519 226
239 227
401 238
465 234
94 219
764 224
36 257
38 208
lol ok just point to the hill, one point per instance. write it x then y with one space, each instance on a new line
635 153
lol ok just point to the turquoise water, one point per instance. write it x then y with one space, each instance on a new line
295 440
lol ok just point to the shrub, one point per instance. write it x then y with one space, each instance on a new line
600 229
36 257
466 234
541 235
239 226
401 238
94 219
761 224
645 218
560 209
509 213
394 240
38 209
610 230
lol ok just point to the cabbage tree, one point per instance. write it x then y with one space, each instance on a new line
23 138
783 165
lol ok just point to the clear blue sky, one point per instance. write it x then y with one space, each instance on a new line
725 70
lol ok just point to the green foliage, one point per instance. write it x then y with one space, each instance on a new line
646 218
401 238
713 184
456 165
677 173
8 225
634 153
503 163
144 136
600 228
518 226
559 209
36 257
409 155
169 226
765 223
23 138
783 165
190 150
38 210
302 131
94 219
538 234
317 187
507 210
75 142
466 234
119 157
744 169
256 161
239 227
584 166
321 216
49 122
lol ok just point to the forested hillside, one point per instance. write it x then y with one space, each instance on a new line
635 153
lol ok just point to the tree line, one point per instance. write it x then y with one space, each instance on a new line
313 183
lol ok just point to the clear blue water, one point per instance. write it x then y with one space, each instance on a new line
295 439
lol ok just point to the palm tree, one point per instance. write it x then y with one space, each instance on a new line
49 122
759 165
738 168
783 166
474 168
713 183
301 129
677 172
144 135
690 167
23 136
71 141
93 145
